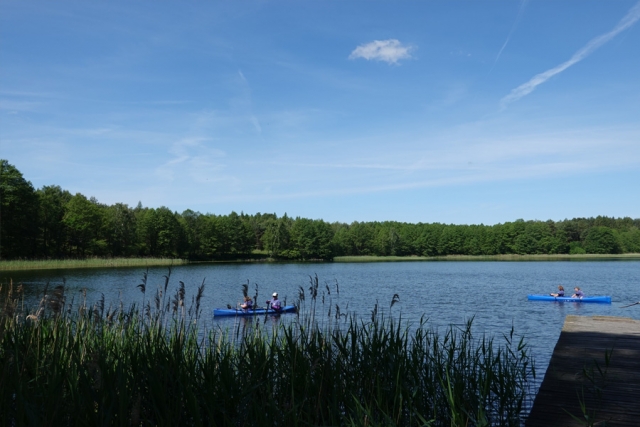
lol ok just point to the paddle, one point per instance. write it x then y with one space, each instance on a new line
635 303
266 311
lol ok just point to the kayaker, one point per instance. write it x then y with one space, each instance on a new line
274 302
577 293
560 292
247 303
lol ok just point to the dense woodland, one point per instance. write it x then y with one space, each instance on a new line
52 223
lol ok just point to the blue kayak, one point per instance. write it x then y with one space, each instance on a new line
605 299
252 312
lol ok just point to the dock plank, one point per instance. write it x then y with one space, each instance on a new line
578 372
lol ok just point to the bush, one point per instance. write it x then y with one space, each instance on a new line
575 248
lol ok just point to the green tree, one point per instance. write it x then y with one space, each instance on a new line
211 237
510 233
535 238
560 243
575 228
491 244
18 214
237 238
84 219
258 225
575 248
451 241
120 230
192 226
601 240
427 239
276 238
387 240
474 239
605 221
53 232
160 233
341 242
311 239
407 239
630 240
362 235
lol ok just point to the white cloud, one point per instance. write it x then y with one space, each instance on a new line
193 158
246 102
390 51
513 28
524 89
476 154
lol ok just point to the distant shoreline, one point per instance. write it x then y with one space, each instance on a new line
509 257
17 265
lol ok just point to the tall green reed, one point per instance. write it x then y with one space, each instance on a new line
155 365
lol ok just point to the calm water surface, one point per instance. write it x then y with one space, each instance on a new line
493 293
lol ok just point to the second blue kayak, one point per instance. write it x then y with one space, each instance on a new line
605 299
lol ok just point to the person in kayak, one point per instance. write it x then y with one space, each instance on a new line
577 293
560 292
247 304
274 303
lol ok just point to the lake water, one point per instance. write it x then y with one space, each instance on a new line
445 292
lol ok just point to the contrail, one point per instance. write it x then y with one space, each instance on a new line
630 18
513 28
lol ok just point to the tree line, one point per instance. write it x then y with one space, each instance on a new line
52 223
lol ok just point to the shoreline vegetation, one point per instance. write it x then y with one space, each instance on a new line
53 264
24 265
507 257
52 223
157 364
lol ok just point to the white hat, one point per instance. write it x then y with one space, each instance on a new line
275 294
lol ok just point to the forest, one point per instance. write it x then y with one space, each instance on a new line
52 223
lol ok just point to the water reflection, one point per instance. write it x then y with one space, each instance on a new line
249 322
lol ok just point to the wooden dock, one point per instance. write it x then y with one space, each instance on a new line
595 365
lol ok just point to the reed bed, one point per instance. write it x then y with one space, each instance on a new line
503 257
87 263
152 364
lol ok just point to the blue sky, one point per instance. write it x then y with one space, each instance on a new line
460 112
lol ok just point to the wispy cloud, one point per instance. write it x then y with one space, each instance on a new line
629 19
513 28
248 103
192 158
390 51
595 146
